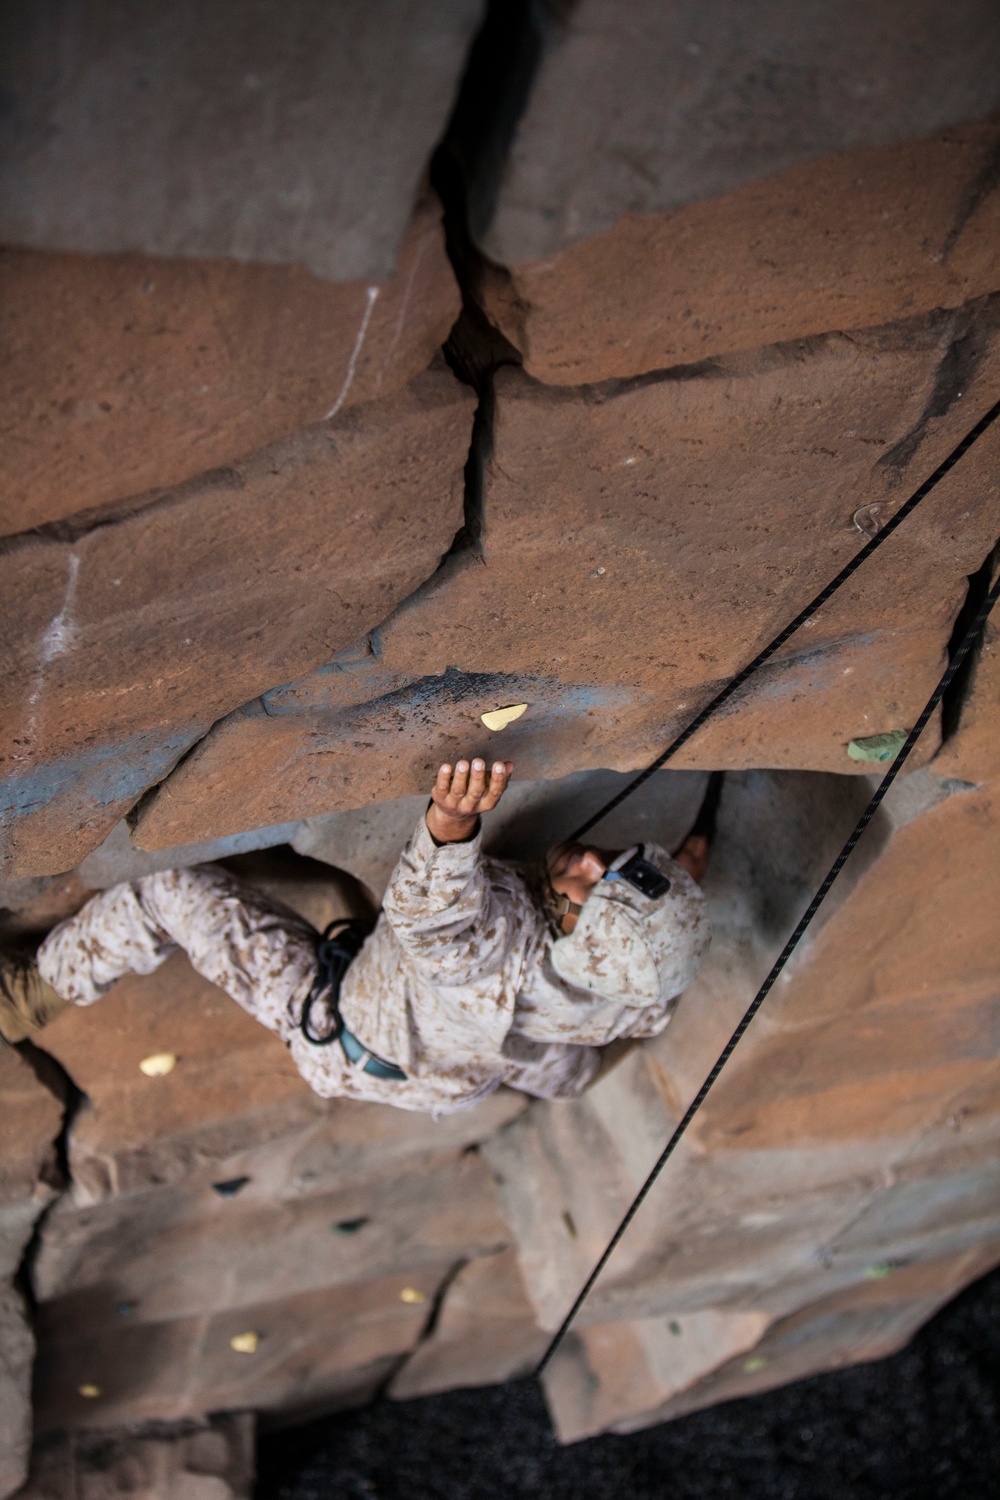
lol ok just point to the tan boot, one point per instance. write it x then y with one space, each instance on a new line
27 1003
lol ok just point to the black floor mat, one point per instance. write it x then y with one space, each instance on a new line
925 1423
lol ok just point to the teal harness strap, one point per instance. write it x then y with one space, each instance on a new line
334 956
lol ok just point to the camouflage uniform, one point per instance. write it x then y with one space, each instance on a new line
455 985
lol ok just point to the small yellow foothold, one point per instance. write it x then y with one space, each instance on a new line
245 1343
158 1065
90 1391
755 1364
499 718
410 1294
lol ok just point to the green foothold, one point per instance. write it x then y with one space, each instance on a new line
878 747
879 1271
753 1365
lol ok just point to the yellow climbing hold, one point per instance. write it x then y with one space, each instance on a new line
410 1294
245 1343
158 1064
499 718
755 1364
90 1391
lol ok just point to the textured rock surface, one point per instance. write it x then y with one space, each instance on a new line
261 572
317 1350
189 1251
851 241
208 1460
854 1131
30 1119
141 1295
485 1332
128 638
618 1370
645 110
255 766
259 132
716 502
630 1364
973 752
128 373
676 517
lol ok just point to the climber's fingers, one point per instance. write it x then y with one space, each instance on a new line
499 780
477 782
463 789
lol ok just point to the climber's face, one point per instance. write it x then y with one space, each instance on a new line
574 870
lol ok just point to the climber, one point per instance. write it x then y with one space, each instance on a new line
477 973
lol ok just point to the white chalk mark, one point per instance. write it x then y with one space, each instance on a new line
371 294
59 636
56 641
404 306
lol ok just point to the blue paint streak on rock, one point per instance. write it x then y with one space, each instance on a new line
53 814
111 774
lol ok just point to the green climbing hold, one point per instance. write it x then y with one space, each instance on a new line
878 747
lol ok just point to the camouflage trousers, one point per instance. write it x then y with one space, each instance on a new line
265 958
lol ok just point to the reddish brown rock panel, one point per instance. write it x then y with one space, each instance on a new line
209 1460
973 752
677 522
255 768
847 242
645 109
187 1250
128 638
126 373
317 1350
614 1377
30 1119
485 1332
641 542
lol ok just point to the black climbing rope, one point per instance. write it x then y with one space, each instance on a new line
965 646
803 615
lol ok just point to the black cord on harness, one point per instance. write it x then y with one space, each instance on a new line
334 954
967 642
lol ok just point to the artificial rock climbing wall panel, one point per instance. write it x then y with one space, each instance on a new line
319 448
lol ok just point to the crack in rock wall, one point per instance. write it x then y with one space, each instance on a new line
357 386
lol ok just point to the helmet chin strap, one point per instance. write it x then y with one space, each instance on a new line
558 904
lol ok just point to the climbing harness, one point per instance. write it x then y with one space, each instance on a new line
958 657
334 956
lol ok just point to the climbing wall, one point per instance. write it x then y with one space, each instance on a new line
368 369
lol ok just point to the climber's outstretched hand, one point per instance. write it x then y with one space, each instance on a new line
461 793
